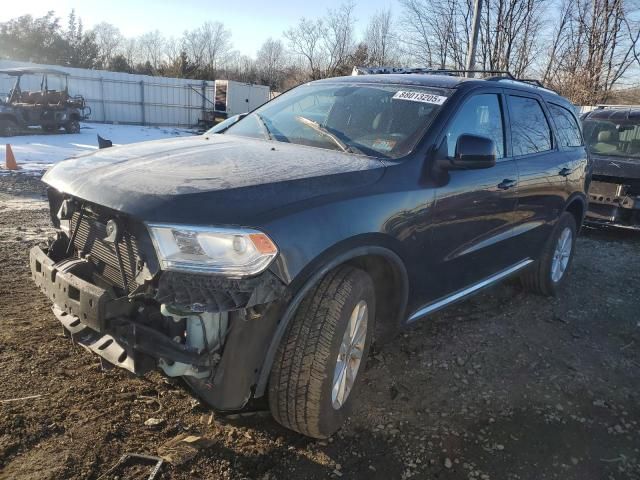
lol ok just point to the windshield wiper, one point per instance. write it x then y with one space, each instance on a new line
264 126
324 131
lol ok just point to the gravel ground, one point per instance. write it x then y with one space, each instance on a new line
506 385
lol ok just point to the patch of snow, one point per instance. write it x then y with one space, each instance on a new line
15 203
35 153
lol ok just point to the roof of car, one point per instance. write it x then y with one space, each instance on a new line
616 113
438 80
32 71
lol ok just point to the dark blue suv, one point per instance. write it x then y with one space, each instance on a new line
264 257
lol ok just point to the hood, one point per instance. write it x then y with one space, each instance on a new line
616 166
209 179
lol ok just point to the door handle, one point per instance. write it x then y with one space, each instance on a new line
565 172
506 184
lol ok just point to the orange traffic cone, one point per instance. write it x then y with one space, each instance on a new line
10 159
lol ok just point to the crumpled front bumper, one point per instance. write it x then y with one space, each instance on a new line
85 310
106 324
63 284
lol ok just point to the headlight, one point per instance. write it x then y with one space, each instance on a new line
233 252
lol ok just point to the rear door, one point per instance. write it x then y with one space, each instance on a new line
543 169
474 211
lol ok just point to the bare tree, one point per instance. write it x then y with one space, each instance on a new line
436 32
338 38
326 44
194 46
270 61
594 47
108 38
510 34
305 41
216 40
241 68
130 50
152 47
380 40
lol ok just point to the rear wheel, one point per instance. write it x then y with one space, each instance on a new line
8 127
72 126
324 350
549 272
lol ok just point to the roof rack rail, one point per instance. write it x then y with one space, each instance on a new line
431 71
496 74
602 106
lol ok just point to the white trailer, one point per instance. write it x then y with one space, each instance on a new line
233 98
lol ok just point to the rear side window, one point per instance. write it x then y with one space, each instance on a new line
567 126
480 115
530 132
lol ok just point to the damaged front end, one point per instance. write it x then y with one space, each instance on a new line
612 134
614 193
147 296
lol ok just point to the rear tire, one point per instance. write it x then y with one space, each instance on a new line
72 126
547 275
316 369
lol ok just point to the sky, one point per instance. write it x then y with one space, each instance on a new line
250 21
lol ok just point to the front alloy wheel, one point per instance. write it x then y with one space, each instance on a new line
316 369
350 356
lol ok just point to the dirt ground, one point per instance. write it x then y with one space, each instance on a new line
506 385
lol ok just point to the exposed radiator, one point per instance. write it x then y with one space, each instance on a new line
89 239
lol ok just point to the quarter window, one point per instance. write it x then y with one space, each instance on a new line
530 132
566 125
480 115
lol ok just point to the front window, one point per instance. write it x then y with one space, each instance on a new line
481 115
616 138
376 120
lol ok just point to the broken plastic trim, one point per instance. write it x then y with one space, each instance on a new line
215 293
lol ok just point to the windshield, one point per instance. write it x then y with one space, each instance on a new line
376 120
617 139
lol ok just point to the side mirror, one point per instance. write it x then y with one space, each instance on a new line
474 152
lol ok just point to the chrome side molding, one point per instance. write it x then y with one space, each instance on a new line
459 295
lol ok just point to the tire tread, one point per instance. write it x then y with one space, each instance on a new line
298 376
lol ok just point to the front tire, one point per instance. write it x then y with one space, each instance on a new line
315 373
550 271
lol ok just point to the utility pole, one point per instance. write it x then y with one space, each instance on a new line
473 41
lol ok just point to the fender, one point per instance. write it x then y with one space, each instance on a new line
314 280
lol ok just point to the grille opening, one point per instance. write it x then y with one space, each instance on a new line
74 293
90 240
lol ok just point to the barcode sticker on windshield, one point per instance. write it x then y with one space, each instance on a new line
419 97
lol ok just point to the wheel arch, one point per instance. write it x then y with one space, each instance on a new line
378 262
577 206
